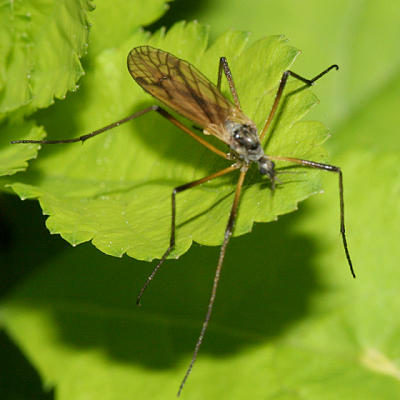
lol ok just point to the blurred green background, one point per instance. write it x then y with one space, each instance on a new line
290 322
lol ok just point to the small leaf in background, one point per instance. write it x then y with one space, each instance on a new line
40 55
12 158
42 45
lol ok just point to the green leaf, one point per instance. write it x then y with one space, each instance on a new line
41 47
288 316
13 158
115 190
293 322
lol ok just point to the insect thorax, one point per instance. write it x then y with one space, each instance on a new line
245 142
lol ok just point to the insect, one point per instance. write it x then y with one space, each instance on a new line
183 88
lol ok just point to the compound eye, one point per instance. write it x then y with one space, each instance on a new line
237 136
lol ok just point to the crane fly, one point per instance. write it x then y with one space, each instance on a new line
180 86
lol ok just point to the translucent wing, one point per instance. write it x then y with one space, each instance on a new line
182 87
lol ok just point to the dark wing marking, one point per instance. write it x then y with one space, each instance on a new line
180 86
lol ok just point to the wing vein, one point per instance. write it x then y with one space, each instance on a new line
183 88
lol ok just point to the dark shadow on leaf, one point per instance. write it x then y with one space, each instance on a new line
29 247
18 378
28 243
266 286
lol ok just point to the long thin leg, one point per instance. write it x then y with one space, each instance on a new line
177 190
223 66
156 108
282 85
330 168
228 234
